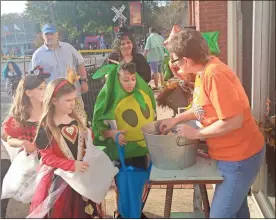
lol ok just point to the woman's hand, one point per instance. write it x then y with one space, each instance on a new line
187 131
81 166
28 146
121 138
167 124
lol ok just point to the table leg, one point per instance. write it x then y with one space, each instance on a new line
145 195
205 200
197 200
168 201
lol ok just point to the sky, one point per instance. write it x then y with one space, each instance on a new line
12 6
19 6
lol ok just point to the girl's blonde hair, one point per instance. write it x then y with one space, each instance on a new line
21 106
47 120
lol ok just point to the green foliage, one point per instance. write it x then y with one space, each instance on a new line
11 17
86 17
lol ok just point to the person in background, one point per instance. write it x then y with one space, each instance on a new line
102 44
221 105
11 73
154 52
56 56
125 50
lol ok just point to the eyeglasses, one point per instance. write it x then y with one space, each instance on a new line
174 62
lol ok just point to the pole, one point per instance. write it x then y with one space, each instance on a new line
15 35
121 22
52 13
143 10
6 42
25 36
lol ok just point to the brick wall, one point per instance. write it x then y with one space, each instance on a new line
211 16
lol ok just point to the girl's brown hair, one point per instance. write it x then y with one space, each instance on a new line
189 43
21 106
47 120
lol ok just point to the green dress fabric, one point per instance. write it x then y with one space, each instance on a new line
118 110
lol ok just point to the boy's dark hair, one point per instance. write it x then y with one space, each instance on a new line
189 43
152 30
130 67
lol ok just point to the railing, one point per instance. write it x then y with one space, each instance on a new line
94 87
96 51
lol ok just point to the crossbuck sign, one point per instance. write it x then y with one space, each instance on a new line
118 13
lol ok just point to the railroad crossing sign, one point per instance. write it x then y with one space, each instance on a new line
119 13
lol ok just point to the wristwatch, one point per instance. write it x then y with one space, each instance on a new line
84 80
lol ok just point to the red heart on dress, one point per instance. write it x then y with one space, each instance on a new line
70 133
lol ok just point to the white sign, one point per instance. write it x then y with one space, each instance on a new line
118 13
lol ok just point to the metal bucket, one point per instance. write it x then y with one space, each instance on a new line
170 152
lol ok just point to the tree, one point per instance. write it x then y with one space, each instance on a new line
78 18
75 17
174 12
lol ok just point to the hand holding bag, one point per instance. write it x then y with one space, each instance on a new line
130 182
19 182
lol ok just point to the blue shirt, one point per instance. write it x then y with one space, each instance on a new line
56 61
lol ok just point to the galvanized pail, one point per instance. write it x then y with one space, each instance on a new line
170 152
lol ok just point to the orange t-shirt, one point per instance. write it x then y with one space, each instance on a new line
218 95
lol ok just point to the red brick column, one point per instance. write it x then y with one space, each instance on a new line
210 16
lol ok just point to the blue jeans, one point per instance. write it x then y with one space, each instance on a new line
230 198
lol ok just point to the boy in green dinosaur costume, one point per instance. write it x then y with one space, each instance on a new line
126 103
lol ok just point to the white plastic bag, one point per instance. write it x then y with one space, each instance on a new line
19 182
12 151
95 182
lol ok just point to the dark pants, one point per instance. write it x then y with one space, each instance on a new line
5 165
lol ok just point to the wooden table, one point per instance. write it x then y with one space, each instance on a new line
202 173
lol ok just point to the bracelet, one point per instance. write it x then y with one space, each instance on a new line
84 80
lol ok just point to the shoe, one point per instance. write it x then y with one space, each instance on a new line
116 215
143 216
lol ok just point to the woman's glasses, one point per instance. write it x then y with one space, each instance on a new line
174 62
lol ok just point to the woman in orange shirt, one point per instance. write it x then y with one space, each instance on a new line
221 105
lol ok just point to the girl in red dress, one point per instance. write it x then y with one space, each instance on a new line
60 141
19 128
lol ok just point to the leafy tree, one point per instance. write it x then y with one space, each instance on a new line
82 17
174 12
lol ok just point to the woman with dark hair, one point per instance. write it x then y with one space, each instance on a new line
11 74
125 50
221 105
